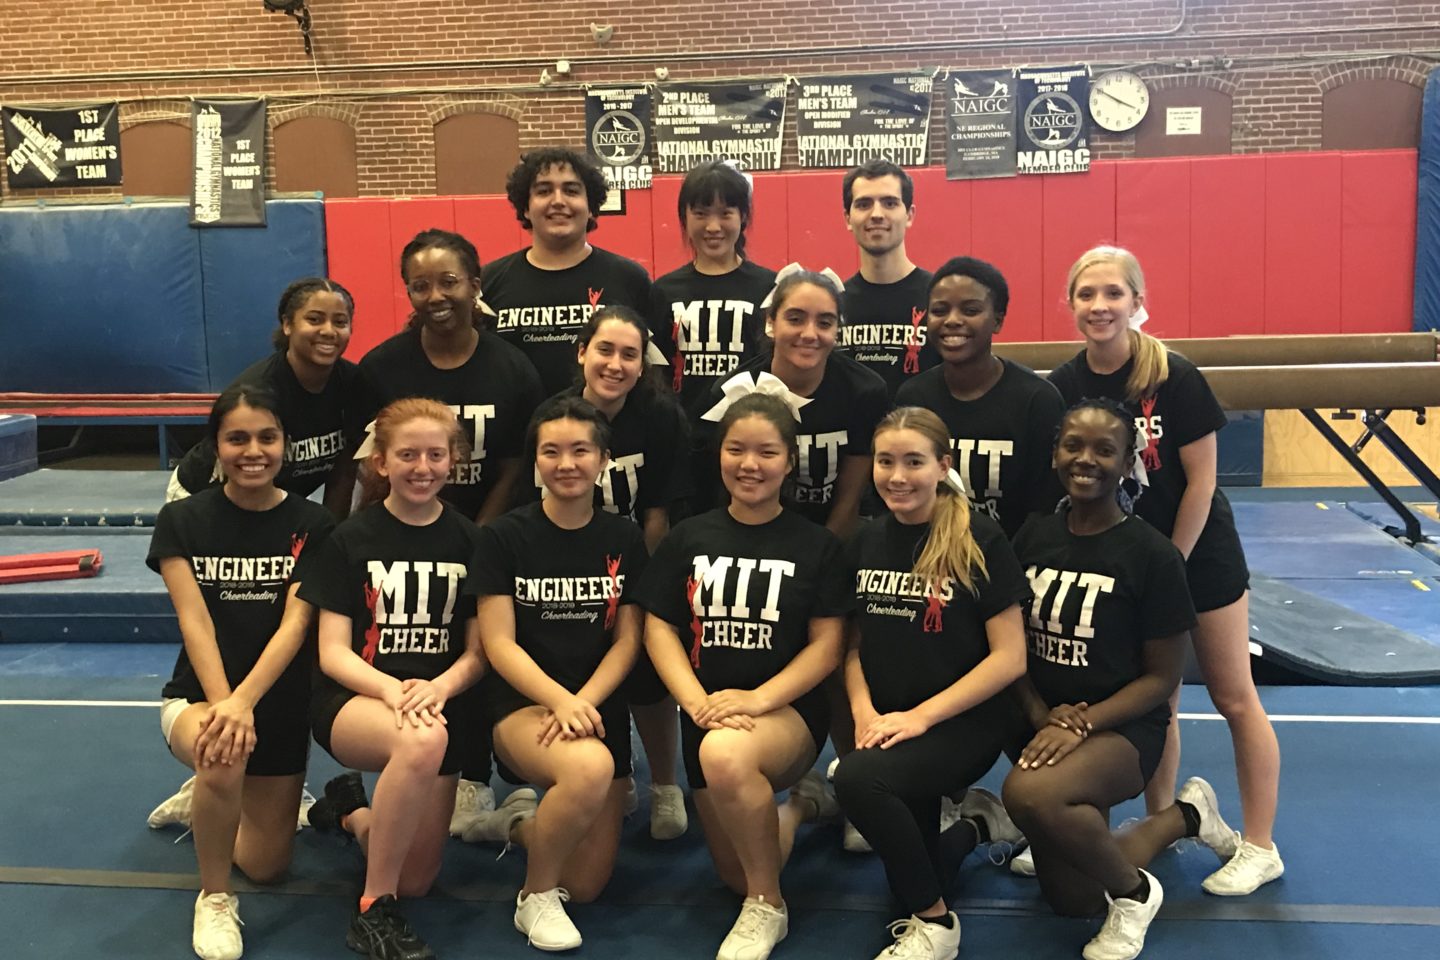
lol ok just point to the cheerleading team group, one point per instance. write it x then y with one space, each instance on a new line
757 511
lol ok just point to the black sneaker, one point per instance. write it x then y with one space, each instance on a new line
343 796
381 933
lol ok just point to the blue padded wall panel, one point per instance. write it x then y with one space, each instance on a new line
102 299
244 271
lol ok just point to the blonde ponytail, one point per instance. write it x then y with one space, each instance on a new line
1152 366
951 552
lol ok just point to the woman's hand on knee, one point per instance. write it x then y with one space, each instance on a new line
728 703
227 733
577 718
1050 745
421 701
888 729
1072 717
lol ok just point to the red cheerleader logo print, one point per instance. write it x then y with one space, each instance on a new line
372 633
595 296
297 543
612 602
1150 456
912 349
697 630
679 362
934 620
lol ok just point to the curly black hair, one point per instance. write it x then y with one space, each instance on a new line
536 162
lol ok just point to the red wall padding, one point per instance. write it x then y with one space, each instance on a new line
1276 243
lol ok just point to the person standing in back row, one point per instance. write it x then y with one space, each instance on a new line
885 302
543 295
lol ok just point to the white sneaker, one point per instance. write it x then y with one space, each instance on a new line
668 818
495 825
542 918
472 799
916 939
175 809
1215 833
632 797
813 787
853 841
978 804
307 800
758 928
949 815
217 927
1123 935
1023 863
1250 869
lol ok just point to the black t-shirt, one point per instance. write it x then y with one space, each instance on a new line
1003 441
493 394
567 585
741 596
649 439
400 586
839 421
1182 411
916 641
885 326
543 311
318 429
244 561
1097 599
719 321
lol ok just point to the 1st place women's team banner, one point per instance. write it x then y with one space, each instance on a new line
74 147
228 189
742 121
846 121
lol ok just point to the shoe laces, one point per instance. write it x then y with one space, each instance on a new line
1000 852
752 921
906 933
217 910
551 903
1244 854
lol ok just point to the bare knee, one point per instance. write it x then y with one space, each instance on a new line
1026 804
589 772
221 778
1237 702
421 749
726 768
267 871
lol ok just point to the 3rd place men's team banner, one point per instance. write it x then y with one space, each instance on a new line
617 122
845 121
228 189
695 122
75 147
980 125
1054 135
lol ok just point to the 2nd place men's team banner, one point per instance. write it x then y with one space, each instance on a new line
229 163
846 121
617 136
980 125
74 147
1054 134
695 122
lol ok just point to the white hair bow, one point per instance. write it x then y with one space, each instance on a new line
484 307
749 180
655 356
955 482
790 268
742 385
367 446
1140 316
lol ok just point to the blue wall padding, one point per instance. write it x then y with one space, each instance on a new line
101 299
244 272
1427 225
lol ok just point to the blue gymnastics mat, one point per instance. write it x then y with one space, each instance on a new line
83 498
125 601
1335 598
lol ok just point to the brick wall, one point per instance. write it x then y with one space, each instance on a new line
392 69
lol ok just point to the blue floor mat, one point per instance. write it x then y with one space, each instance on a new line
1292 541
122 498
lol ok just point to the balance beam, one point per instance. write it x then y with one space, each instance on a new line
1277 351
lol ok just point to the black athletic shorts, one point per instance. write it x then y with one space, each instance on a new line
643 687
813 708
1216 572
282 741
501 700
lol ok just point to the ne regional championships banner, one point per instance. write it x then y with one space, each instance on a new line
742 121
74 147
1054 124
228 189
846 121
980 125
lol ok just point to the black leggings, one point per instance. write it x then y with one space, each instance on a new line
893 797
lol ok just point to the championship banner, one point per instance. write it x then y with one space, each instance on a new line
845 121
980 125
695 122
74 147
617 137
1054 126
228 189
